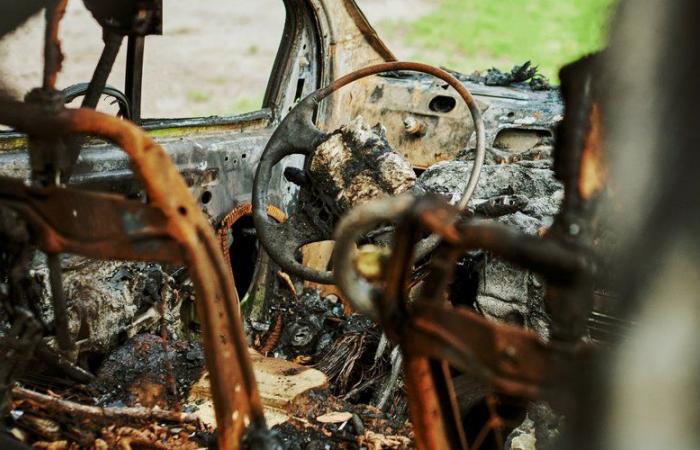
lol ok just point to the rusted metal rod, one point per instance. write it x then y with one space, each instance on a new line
53 57
98 412
113 42
60 310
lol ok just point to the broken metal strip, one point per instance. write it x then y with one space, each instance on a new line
53 60
237 400
428 413
98 225
53 57
95 88
433 404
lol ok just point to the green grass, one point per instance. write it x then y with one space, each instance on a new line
246 104
198 96
468 35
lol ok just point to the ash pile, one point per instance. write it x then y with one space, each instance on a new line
523 194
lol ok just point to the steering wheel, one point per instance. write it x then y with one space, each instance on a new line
297 134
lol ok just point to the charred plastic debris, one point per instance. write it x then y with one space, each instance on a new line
522 73
445 329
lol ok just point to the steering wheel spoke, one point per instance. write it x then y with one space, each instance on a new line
288 237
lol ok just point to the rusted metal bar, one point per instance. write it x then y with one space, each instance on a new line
135 48
53 57
99 225
433 406
435 422
580 163
113 42
58 300
39 151
431 332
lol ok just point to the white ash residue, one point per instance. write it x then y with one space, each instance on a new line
108 300
506 293
356 164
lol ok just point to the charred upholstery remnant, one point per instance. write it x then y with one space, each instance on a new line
113 300
356 163
505 292
104 297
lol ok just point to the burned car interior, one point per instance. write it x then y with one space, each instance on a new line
386 254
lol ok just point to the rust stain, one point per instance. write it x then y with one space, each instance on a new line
240 211
428 414
273 338
53 55
594 171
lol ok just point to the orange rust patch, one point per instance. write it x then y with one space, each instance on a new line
148 394
240 211
594 171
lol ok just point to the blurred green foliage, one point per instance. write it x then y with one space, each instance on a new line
468 35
